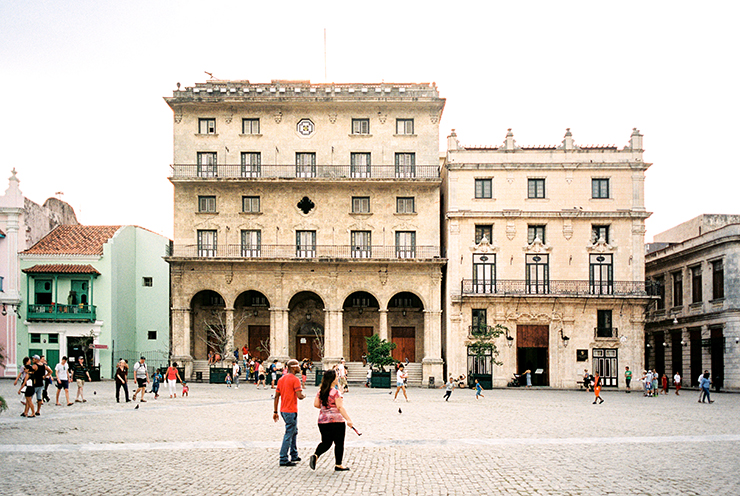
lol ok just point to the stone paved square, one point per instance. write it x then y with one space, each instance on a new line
514 441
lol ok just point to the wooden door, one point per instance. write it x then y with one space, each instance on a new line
257 336
307 347
532 352
357 343
405 339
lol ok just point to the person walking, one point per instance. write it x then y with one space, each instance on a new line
40 371
62 378
628 378
29 391
478 390
273 373
288 393
261 375
47 378
664 384
342 373
655 383
172 376
333 420
704 384
677 382
597 389
142 378
235 371
449 386
528 375
401 376
701 391
122 380
78 374
156 381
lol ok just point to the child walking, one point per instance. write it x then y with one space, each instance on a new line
450 385
156 380
185 389
228 381
597 389
478 390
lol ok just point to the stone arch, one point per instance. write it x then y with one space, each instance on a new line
252 323
361 319
406 325
306 325
207 324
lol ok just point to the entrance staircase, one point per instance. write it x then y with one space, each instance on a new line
201 366
357 374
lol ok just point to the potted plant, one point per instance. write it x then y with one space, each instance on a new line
379 356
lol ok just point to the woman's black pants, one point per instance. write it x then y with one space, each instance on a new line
332 433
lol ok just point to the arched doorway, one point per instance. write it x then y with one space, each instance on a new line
306 324
252 323
360 314
405 319
208 325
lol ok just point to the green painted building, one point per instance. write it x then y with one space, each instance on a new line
101 292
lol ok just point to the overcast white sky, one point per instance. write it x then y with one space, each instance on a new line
82 84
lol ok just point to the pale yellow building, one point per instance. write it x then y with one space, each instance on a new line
307 209
548 242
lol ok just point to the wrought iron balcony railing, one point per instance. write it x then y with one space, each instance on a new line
56 311
553 288
304 252
606 332
292 171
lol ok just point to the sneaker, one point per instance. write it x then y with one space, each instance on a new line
143 401
287 464
312 462
339 468
296 459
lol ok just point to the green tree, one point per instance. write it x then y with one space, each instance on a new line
482 341
379 352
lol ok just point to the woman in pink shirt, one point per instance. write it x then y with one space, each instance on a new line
172 376
333 419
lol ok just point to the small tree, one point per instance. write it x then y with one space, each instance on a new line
379 352
319 341
482 341
264 346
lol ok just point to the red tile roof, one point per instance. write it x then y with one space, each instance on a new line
74 240
61 269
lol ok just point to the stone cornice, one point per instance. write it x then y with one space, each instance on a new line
530 214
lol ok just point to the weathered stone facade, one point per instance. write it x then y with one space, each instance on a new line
695 324
548 242
307 209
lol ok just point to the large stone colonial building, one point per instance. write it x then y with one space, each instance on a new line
695 324
547 241
307 217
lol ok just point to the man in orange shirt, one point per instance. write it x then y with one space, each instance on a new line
288 393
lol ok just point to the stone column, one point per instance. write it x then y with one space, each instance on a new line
181 339
229 331
432 362
333 336
279 334
383 323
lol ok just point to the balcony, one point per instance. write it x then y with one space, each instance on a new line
606 333
553 288
314 253
59 312
292 171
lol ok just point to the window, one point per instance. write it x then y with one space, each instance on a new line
250 126
601 274
251 204
151 335
35 338
483 231
405 165
479 321
251 242
599 232
53 338
361 245
537 275
251 164
43 292
147 282
718 280
484 273
405 244
696 282
207 204
359 164
207 164
404 126
604 324
305 165
207 243
305 244
536 188
206 126
360 204
484 188
660 292
535 232
405 205
599 188
677 289
360 126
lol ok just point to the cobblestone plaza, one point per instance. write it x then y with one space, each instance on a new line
513 441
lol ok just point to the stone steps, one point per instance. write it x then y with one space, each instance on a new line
357 374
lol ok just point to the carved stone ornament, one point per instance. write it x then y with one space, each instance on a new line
601 246
434 117
568 230
510 230
537 246
382 117
230 115
333 118
484 246
278 116
229 277
383 274
178 115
